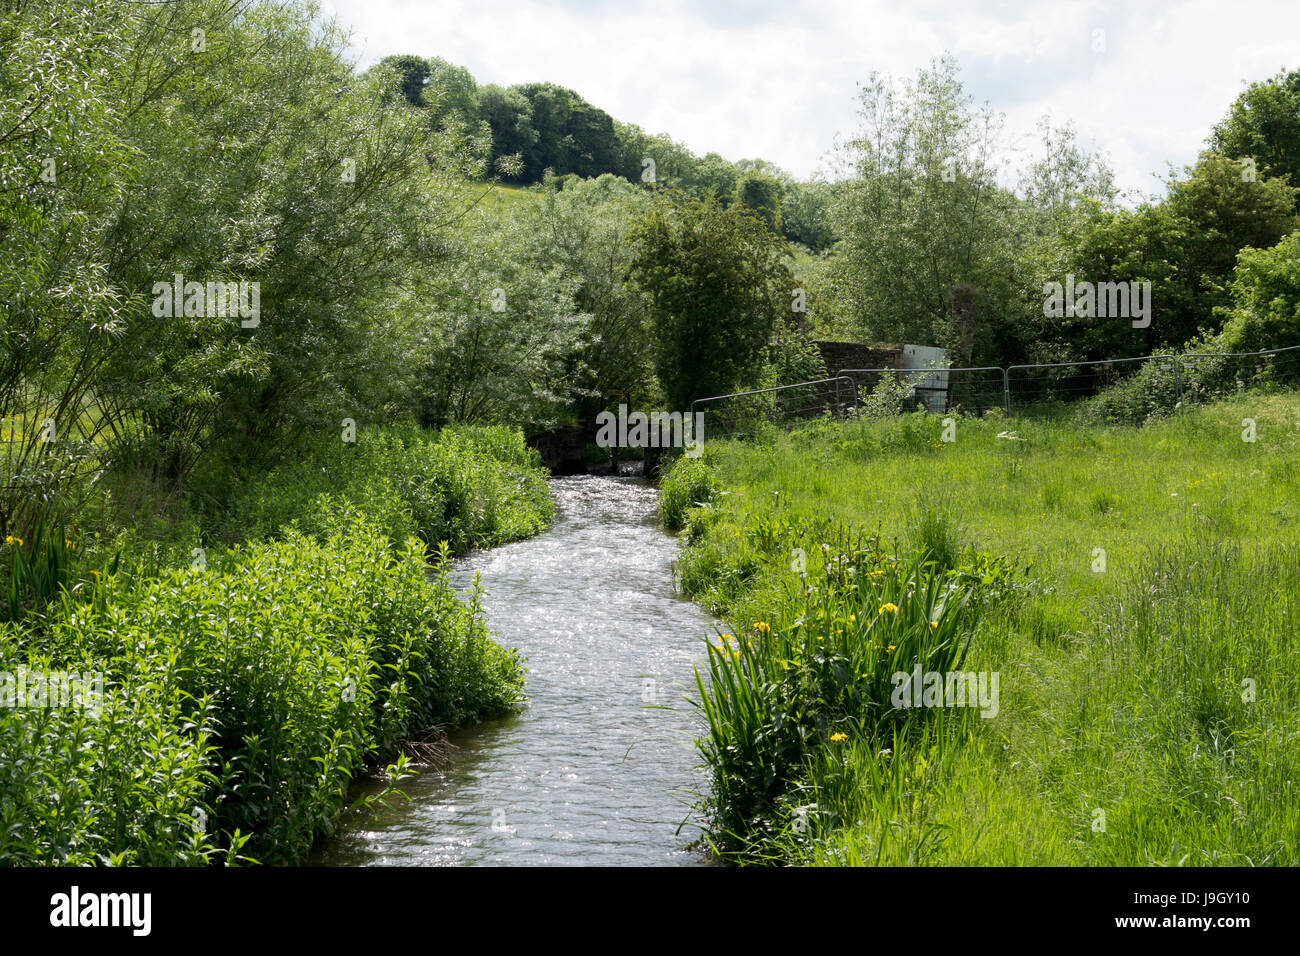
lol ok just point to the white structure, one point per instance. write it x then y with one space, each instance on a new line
927 376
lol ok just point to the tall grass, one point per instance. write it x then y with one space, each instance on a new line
1137 589
819 671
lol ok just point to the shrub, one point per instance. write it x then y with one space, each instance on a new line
123 787
470 487
688 483
270 678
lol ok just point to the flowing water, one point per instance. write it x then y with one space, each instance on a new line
599 766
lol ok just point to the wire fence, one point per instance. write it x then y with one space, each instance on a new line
1124 389
740 413
1127 389
1169 382
939 390
1207 375
1041 387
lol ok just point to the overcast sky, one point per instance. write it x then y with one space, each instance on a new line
775 79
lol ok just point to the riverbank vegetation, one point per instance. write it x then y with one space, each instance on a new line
276 331
232 475
239 687
1133 589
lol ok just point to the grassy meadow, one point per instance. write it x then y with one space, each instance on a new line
1134 589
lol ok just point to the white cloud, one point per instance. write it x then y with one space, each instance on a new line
776 80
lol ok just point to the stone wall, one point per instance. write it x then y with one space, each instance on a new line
842 355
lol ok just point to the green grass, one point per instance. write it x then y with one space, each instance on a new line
1124 735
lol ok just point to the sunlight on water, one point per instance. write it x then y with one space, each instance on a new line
590 772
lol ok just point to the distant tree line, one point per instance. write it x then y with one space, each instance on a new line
940 244
522 132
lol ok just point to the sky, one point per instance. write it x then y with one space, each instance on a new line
1143 82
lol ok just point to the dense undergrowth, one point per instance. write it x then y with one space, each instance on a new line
238 688
1132 589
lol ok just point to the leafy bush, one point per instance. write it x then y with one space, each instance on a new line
891 396
1153 391
1265 291
792 359
689 482
270 678
119 787
470 487
1150 392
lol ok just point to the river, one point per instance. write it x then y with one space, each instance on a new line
599 768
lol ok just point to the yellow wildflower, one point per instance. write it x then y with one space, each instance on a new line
891 648
762 627
887 607
853 618
934 625
838 737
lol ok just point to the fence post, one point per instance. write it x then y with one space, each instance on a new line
1178 381
1006 392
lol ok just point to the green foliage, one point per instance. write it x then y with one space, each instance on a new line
39 572
1265 289
806 214
1263 124
541 126
819 668
762 194
923 154
793 358
1149 393
114 784
467 487
1186 247
689 482
1120 690
410 76
296 661
889 397
247 689
583 226
65 166
717 278
498 331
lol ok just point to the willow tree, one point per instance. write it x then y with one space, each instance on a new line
61 316
922 214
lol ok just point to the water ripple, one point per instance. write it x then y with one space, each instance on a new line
590 772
